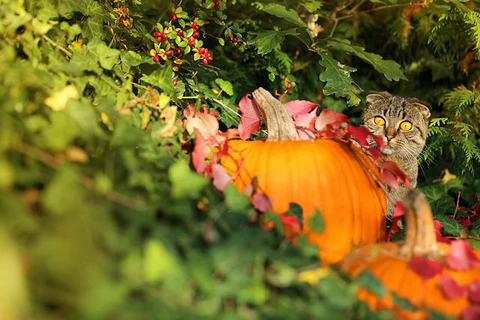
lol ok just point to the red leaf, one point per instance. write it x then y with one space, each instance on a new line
391 174
360 134
329 120
462 256
471 313
298 107
291 225
221 178
450 288
474 291
438 232
198 154
305 120
205 122
250 120
261 202
424 267
399 210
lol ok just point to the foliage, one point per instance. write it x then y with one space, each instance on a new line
101 213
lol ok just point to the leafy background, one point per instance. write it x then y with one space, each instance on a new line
101 214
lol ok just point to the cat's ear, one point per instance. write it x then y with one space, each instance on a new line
377 97
424 107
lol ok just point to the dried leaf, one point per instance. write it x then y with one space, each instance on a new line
462 256
58 101
221 179
425 267
261 202
450 288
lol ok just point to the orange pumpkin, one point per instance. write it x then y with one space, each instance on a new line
390 264
333 176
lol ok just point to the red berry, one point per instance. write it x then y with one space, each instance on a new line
156 58
168 52
175 82
216 5
163 35
201 50
234 40
204 61
157 34
159 39
180 33
195 26
191 42
122 8
196 35
174 17
209 58
174 1
179 52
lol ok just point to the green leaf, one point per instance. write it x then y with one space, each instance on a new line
161 78
106 56
60 133
280 11
316 223
312 5
450 226
236 200
337 78
269 40
185 182
221 41
389 68
159 262
225 86
371 283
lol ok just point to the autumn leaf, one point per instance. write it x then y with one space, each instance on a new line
250 120
198 154
462 256
328 120
391 174
450 288
58 101
261 202
221 179
438 232
297 107
474 292
471 313
425 267
291 226
205 122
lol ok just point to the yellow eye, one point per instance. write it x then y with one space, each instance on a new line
379 121
406 126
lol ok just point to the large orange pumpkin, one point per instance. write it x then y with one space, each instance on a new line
333 176
390 264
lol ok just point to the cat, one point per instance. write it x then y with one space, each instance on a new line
403 124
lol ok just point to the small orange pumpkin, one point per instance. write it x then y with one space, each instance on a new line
390 263
333 176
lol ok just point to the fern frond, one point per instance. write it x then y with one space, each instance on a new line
458 100
283 61
472 18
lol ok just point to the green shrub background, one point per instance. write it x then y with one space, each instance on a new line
102 217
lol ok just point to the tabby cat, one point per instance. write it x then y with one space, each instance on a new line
402 123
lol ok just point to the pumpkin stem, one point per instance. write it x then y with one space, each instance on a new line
280 126
420 239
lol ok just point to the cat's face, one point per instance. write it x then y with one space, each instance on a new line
401 122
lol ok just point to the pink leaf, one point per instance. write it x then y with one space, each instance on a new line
450 288
305 120
261 202
298 107
305 134
250 120
221 178
391 174
198 154
329 118
474 291
471 313
189 111
424 267
206 123
462 256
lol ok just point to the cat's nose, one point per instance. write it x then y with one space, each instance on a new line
390 133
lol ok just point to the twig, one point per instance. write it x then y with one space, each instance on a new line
457 207
380 8
52 162
57 45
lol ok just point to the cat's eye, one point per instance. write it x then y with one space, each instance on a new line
379 121
406 126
